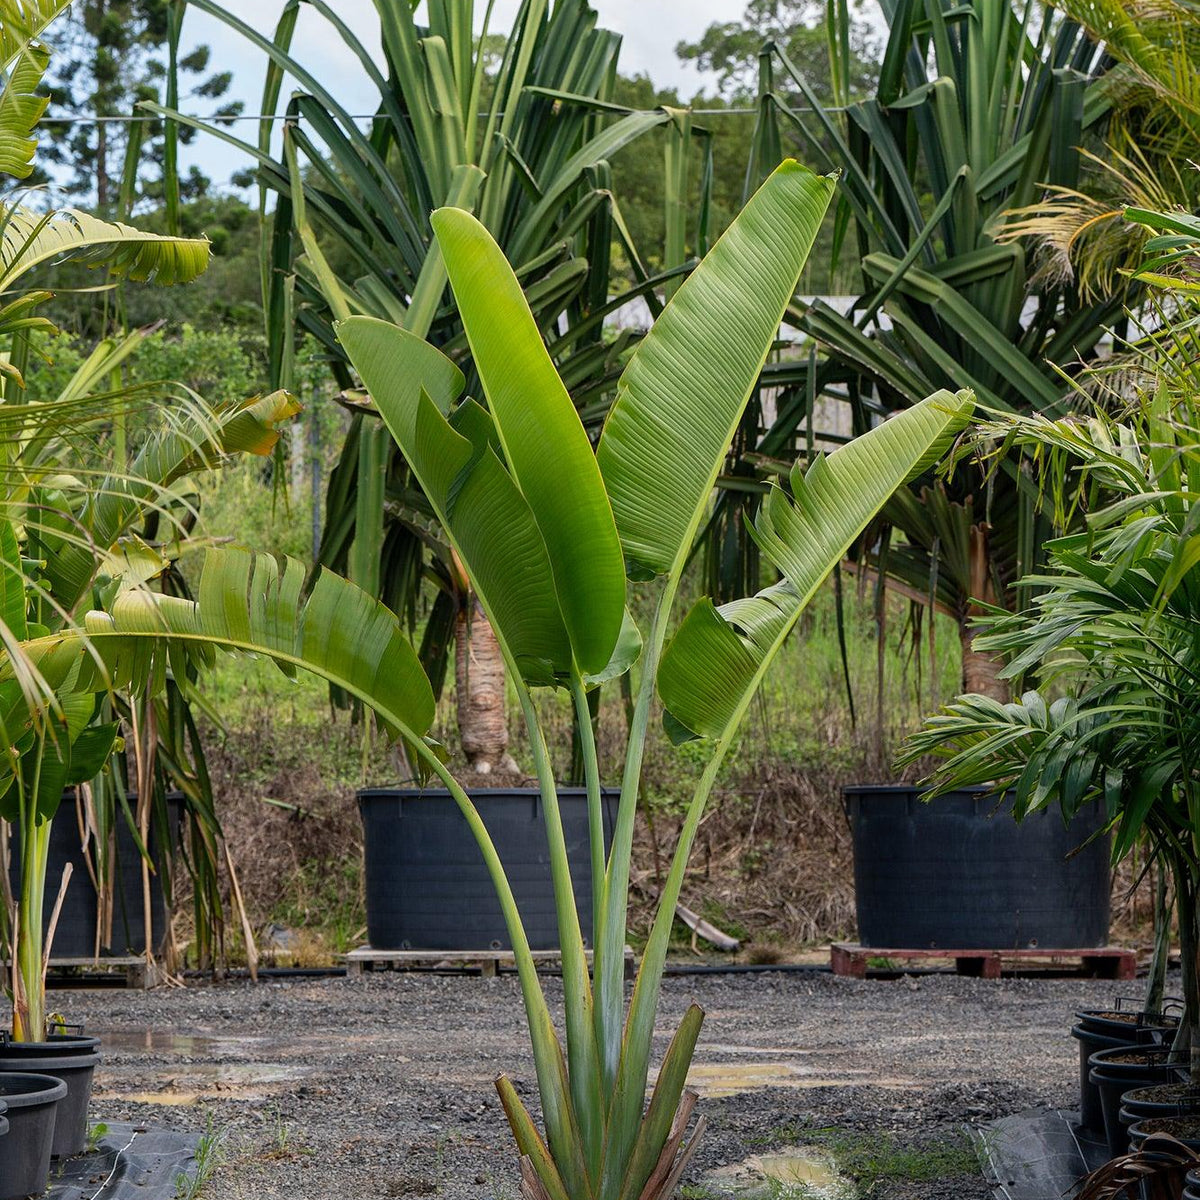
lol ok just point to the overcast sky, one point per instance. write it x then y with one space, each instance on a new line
651 29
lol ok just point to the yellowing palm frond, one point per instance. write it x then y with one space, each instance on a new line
28 239
1082 236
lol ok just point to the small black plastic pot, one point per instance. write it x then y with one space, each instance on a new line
1091 1114
1160 1100
1183 1129
1128 1026
71 1058
1121 1069
32 1102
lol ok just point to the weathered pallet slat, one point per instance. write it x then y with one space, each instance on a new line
1106 962
488 963
139 974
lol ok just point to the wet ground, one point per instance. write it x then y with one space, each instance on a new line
382 1087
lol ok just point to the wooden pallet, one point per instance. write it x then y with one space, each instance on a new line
139 974
1106 962
489 963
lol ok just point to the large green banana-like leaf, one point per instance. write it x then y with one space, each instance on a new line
30 238
486 517
683 393
250 603
715 661
20 110
544 442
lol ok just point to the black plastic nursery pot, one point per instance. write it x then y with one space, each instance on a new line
71 1058
1185 1129
1091 1113
1120 1070
1191 1186
427 887
1106 1029
960 873
32 1102
1129 1026
75 935
1161 1100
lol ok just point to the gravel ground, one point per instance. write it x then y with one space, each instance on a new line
383 1087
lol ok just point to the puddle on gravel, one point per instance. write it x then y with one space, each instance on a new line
803 1172
161 1041
236 1074
717 1080
208 1081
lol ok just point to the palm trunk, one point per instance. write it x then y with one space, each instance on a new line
1156 979
1187 908
480 686
981 672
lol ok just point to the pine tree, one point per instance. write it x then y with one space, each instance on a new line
112 54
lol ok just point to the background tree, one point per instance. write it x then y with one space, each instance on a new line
730 49
112 54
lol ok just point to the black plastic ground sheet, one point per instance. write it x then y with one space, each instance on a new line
1040 1154
130 1162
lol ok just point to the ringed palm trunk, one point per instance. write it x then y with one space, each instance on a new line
480 685
981 672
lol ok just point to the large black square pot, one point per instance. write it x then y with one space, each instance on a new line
426 884
75 935
960 873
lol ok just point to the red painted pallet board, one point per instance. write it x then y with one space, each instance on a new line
1108 962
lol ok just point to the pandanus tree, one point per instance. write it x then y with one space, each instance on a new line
553 579
1152 137
1111 637
978 109
523 138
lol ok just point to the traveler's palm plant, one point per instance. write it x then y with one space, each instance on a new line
1114 634
978 108
523 136
549 532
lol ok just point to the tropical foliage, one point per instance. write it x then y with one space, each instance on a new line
1081 232
977 109
1111 639
78 473
552 580
522 134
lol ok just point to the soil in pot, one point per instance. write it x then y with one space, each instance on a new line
1182 1129
32 1101
1121 1069
1128 1026
1159 1100
71 1058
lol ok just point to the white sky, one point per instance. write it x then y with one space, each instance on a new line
651 29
